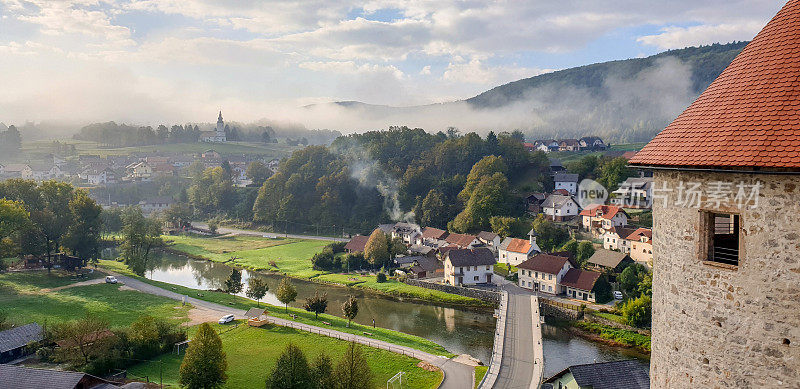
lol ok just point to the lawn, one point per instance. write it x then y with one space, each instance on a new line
25 298
480 371
252 352
616 335
301 316
293 258
610 316
504 269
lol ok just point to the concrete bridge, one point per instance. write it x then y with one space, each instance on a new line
517 359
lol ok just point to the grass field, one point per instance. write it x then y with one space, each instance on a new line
252 352
565 156
292 257
25 298
229 148
301 315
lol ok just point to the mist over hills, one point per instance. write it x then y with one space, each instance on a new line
623 101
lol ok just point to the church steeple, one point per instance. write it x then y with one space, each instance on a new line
219 119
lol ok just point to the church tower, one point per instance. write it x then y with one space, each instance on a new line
726 224
221 137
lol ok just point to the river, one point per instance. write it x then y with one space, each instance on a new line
461 331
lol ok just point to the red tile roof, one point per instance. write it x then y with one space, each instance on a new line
749 117
519 245
609 211
433 233
580 279
357 243
641 232
544 263
461 240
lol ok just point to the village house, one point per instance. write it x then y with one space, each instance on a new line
529 147
579 284
432 237
40 172
139 171
616 238
559 207
489 239
163 170
469 266
12 376
463 241
556 167
628 374
546 145
14 342
156 204
514 251
543 272
16 170
533 203
591 143
98 176
569 145
408 232
634 192
210 154
356 244
426 267
566 181
607 260
641 246
598 219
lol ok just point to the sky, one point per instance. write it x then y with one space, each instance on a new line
177 61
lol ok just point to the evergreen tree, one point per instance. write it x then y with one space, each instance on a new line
352 371
322 372
204 365
291 371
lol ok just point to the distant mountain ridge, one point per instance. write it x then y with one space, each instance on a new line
622 101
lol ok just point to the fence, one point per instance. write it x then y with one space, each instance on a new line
493 372
353 338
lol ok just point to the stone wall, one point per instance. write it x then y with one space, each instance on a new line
480 294
559 310
717 326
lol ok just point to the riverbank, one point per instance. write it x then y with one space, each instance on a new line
290 313
605 334
291 257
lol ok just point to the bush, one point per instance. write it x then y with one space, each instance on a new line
637 312
381 277
336 247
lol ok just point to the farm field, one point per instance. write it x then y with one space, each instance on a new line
252 352
31 297
271 150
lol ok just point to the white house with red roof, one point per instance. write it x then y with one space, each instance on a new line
600 218
616 238
641 246
514 251
543 272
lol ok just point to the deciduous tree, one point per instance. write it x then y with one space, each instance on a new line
350 309
377 248
286 293
140 235
258 173
317 303
13 219
257 288
83 235
234 283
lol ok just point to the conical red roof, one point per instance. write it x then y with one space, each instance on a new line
749 117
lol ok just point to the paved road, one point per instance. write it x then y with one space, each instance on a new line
236 231
456 375
517 370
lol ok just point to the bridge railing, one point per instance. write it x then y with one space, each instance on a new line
493 372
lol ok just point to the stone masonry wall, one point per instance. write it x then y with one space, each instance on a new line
480 294
718 327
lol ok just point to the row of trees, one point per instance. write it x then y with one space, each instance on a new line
41 219
293 370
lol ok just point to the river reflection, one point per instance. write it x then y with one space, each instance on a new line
460 331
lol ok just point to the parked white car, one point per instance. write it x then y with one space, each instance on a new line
618 295
111 280
226 319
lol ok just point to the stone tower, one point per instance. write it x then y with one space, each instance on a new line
726 233
220 125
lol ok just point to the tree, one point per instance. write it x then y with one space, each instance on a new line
613 172
52 220
630 278
548 235
602 290
204 365
140 235
82 340
509 226
352 371
179 215
257 288
286 293
350 309
489 198
638 311
645 287
212 191
486 167
13 219
584 250
434 211
111 220
291 371
322 372
571 246
234 283
377 248
397 247
83 235
258 173
316 303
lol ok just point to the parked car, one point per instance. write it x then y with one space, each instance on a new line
111 280
618 295
226 319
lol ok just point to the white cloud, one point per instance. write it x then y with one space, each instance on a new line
476 72
426 70
679 37
351 68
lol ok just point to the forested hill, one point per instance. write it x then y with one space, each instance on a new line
705 62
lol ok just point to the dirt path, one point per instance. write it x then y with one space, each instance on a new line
82 283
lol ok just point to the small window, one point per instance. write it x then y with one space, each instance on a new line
475 278
722 238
